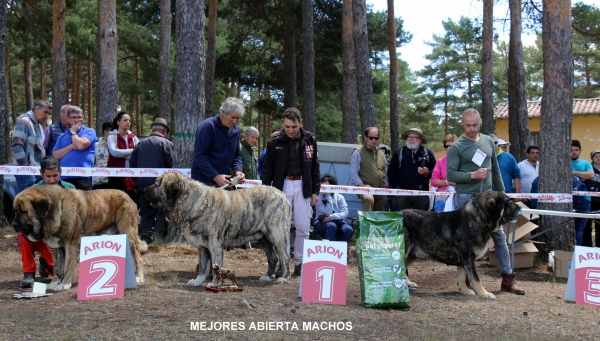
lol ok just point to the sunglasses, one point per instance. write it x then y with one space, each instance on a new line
373 137
446 146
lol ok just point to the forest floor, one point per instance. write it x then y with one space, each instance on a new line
164 308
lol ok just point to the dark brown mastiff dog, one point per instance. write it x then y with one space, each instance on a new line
62 216
458 237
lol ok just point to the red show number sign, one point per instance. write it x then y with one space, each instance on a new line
324 272
103 267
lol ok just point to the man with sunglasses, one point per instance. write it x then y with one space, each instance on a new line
368 168
411 168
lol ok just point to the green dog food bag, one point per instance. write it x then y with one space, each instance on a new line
380 252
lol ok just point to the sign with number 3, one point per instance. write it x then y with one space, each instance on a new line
105 267
324 272
583 285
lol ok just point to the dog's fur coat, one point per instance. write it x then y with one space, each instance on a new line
458 237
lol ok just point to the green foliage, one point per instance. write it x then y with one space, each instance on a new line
586 56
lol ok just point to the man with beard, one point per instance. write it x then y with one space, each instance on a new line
471 159
411 168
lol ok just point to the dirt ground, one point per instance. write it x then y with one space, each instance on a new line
164 307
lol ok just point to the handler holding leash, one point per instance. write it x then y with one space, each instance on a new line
470 159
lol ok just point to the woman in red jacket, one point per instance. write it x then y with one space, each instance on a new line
120 142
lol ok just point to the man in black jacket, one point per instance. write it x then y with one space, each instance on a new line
291 164
155 151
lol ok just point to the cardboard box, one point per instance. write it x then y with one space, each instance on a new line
524 253
562 260
523 256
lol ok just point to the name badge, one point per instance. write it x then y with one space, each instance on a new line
479 157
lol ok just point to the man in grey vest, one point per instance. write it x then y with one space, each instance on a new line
53 131
368 168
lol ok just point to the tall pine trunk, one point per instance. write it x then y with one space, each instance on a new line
28 83
290 98
59 57
363 65
164 62
43 80
391 41
4 124
518 125
487 69
211 55
349 101
106 88
556 121
190 63
91 116
308 79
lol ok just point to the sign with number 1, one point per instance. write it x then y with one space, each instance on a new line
105 267
324 272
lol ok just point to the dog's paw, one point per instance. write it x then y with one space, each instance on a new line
142 247
139 280
283 280
488 295
62 286
411 284
196 282
266 278
52 285
466 291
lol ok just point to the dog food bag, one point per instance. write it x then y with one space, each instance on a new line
380 252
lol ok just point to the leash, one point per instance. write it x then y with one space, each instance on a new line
192 206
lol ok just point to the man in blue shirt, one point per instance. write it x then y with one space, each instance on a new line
217 146
76 148
583 170
509 168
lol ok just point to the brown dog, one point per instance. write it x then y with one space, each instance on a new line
222 273
62 216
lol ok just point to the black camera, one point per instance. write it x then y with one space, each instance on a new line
321 217
421 162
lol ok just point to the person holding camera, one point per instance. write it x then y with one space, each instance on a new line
331 213
411 168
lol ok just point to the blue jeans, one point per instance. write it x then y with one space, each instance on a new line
25 181
498 237
584 206
336 227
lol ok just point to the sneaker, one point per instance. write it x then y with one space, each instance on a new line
28 279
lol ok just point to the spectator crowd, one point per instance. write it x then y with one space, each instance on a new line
224 155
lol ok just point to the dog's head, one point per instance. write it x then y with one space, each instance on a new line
216 268
166 189
31 208
499 207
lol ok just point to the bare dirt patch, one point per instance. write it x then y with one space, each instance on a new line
164 307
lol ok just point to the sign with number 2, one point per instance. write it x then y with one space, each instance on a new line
324 272
105 267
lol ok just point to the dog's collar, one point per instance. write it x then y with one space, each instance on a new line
192 206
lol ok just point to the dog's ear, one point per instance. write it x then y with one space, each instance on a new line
173 188
41 205
495 206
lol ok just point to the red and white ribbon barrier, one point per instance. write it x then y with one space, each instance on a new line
156 172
